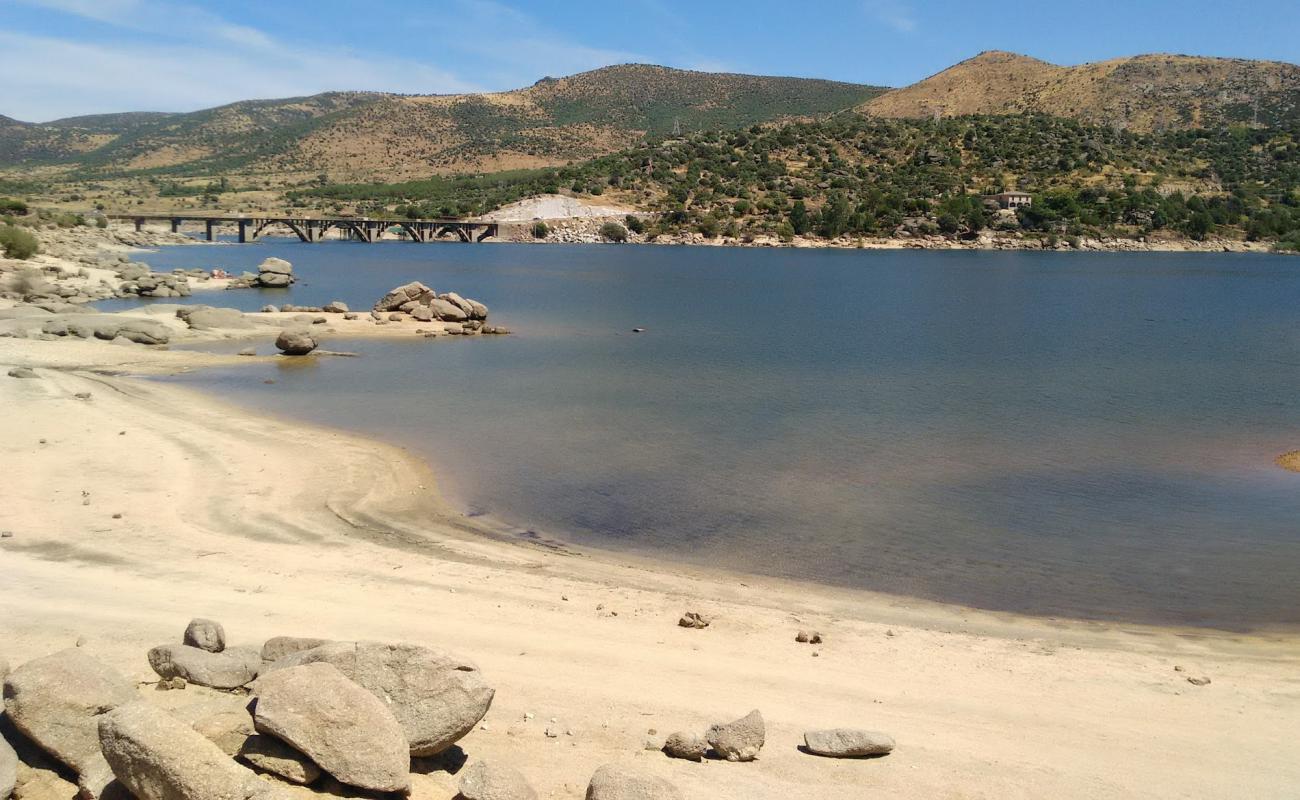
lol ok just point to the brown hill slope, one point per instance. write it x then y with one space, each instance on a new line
1141 93
356 136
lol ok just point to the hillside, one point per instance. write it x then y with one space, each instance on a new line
1141 93
853 175
363 135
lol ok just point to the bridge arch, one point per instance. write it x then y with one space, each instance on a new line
288 223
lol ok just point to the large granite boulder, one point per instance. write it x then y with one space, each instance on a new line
274 273
740 740
278 647
295 343
413 292
344 729
436 696
848 743
157 757
485 780
619 782
231 668
208 318
447 311
57 701
108 327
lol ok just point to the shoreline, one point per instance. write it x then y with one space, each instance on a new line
277 527
351 538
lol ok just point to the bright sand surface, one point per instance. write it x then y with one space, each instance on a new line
277 528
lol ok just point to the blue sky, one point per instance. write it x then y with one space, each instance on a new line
67 57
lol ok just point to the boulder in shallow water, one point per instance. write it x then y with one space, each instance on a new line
848 743
295 343
157 757
740 740
344 729
274 266
231 668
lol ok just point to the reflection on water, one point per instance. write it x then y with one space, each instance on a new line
1074 434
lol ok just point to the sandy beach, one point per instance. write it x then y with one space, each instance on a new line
144 504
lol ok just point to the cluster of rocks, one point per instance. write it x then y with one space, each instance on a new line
137 279
742 739
416 301
272 273
109 327
357 712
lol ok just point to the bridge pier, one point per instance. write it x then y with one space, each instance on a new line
176 225
139 224
209 224
243 231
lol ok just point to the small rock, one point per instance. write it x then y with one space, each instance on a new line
1202 681
848 743
693 620
248 351
272 755
740 740
688 746
335 307
22 372
484 780
205 634
82 395
801 637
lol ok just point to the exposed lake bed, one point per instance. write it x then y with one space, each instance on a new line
1075 435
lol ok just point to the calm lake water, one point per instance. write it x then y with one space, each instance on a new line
1073 434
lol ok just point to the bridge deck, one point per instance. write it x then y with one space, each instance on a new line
313 229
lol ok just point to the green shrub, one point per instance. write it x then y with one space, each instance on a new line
634 224
69 220
540 230
613 232
101 221
18 243
10 206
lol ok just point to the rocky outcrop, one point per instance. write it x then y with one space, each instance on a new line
295 343
230 669
740 740
619 782
423 304
344 729
108 327
157 757
485 780
436 696
274 273
57 701
848 743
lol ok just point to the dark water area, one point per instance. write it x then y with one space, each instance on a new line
1066 434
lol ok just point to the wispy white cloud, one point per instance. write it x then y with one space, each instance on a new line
195 59
894 13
